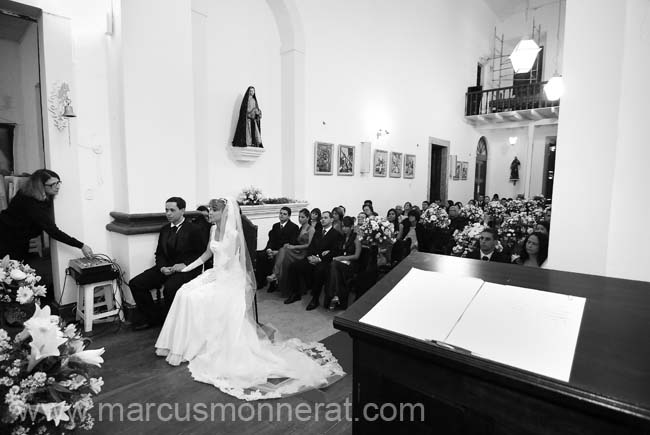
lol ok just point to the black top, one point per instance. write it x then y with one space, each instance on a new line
278 235
24 219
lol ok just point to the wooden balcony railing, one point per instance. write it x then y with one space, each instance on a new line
519 97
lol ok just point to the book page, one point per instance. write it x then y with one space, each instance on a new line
529 329
424 304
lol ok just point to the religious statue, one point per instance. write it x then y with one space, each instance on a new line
514 170
249 131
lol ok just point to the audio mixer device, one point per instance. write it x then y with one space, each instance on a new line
91 270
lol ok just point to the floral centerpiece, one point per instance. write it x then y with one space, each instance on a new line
467 239
472 213
19 282
435 217
250 196
496 210
515 206
376 231
45 381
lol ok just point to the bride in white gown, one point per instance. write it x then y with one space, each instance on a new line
211 325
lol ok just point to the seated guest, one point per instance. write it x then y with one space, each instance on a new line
449 203
337 216
407 208
399 211
495 197
282 233
180 242
361 219
291 253
342 210
457 221
369 211
391 216
314 220
425 205
487 248
367 202
323 247
459 205
343 266
411 236
471 202
543 227
535 250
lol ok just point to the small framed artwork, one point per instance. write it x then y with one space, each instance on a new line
395 165
409 166
346 160
457 169
463 170
452 167
380 163
323 158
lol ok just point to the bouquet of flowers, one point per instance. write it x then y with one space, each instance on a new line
45 382
473 213
467 240
250 196
435 217
19 282
495 209
376 231
516 206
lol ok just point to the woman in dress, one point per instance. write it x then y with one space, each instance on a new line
211 325
314 221
535 251
292 253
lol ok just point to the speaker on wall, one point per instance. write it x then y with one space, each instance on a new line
364 158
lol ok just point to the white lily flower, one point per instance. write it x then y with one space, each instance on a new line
89 357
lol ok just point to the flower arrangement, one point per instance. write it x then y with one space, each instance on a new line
515 206
495 209
435 217
45 381
467 239
473 213
19 282
376 231
250 196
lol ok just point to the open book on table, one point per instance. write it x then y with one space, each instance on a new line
529 329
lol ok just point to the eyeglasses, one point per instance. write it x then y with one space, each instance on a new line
55 184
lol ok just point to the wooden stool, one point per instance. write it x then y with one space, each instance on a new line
86 305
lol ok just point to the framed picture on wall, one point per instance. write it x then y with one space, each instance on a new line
463 170
380 163
457 169
409 166
346 160
396 165
323 158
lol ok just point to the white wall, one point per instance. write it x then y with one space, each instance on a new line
601 155
381 65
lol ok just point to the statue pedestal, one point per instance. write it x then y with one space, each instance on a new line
246 154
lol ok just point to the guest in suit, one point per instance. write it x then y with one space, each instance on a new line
487 248
291 253
342 267
323 247
180 242
282 233
30 213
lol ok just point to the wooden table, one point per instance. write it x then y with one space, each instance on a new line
608 391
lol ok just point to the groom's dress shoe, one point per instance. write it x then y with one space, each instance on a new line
312 305
291 299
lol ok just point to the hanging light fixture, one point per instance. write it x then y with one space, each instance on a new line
555 86
524 55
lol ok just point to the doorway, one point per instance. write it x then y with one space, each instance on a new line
438 155
549 166
480 172
6 149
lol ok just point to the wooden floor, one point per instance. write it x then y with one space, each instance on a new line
136 379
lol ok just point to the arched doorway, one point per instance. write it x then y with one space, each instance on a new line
480 173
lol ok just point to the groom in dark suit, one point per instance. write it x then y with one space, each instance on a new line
180 242
323 248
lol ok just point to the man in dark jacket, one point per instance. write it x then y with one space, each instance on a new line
281 233
487 244
180 242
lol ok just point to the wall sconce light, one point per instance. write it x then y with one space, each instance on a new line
512 140
381 133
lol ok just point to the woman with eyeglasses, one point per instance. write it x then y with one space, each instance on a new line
30 213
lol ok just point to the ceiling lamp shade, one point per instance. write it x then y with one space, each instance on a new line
554 88
524 55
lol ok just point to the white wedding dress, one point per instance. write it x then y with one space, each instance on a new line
210 324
